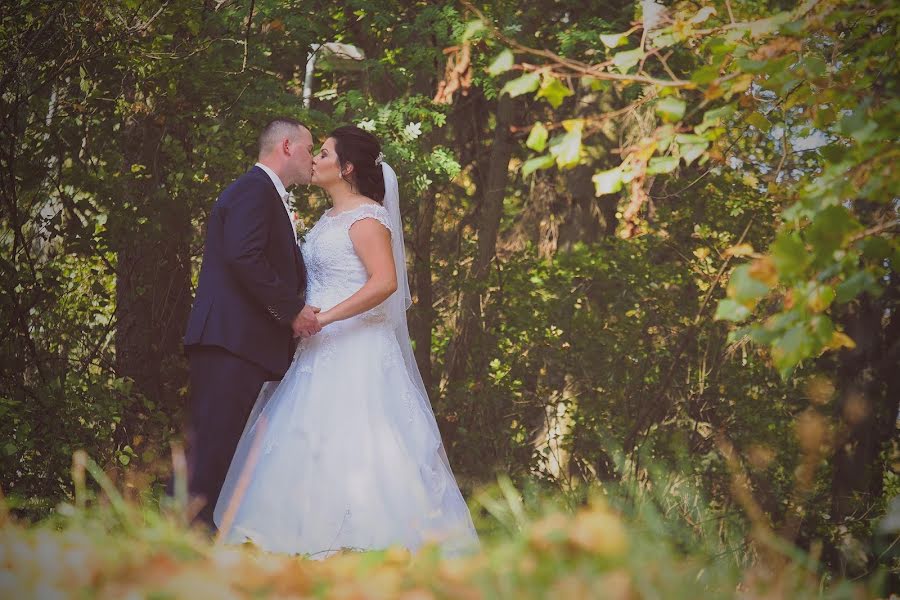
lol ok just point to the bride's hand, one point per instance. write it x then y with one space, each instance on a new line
323 318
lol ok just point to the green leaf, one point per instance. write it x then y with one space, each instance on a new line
736 335
789 254
719 47
540 162
662 164
613 40
791 348
830 229
858 126
762 27
762 335
834 153
815 65
876 248
853 286
554 91
822 330
627 59
703 14
594 84
537 138
705 75
729 310
716 114
794 28
662 38
666 135
567 149
759 121
522 85
607 182
670 108
691 152
744 288
473 28
853 122
689 138
752 66
85 82
863 135
502 63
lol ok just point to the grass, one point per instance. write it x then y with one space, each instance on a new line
594 542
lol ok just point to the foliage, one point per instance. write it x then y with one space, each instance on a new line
538 548
816 77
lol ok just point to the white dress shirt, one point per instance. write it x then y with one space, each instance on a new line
282 193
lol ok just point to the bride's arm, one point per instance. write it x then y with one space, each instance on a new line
372 242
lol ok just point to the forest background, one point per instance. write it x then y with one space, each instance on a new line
648 243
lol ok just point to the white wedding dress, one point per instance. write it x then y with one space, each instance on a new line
345 452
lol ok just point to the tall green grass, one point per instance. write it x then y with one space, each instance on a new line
650 535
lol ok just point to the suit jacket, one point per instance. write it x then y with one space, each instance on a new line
252 279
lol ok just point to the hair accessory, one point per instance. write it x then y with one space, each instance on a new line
379 159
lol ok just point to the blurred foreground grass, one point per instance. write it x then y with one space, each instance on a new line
590 544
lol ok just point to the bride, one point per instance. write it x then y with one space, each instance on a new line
345 452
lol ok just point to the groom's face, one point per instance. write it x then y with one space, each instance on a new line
301 159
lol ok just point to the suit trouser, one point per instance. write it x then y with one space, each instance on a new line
224 388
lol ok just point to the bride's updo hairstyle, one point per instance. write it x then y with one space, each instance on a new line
361 148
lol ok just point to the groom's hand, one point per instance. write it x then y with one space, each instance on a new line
305 323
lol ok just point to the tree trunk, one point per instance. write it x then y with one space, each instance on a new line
869 393
468 324
422 318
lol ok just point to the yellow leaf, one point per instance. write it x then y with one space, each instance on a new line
573 124
764 270
839 339
741 84
820 299
740 250
644 152
713 91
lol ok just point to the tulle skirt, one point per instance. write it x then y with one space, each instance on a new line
341 455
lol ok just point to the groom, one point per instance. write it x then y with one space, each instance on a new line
249 306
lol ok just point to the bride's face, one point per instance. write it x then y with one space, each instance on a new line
326 167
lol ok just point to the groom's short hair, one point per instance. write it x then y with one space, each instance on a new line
276 130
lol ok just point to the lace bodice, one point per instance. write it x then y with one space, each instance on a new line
334 270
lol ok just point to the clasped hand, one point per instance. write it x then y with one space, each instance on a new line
306 323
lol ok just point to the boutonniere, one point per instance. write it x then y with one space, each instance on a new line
299 227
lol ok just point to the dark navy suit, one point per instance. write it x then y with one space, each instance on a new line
252 285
